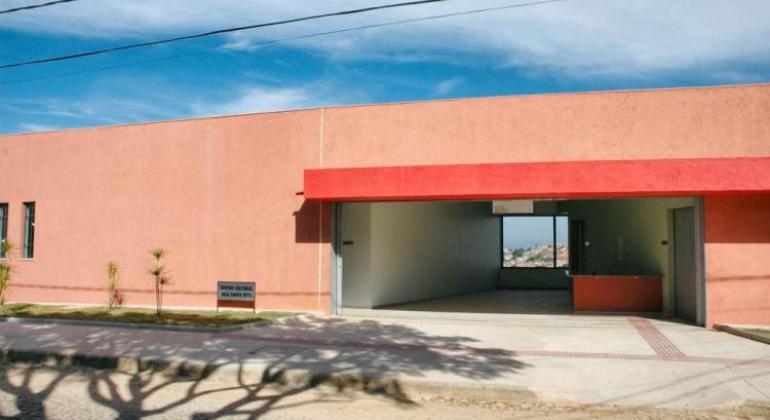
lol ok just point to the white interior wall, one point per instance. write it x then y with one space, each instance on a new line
419 250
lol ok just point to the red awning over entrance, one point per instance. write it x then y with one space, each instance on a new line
607 178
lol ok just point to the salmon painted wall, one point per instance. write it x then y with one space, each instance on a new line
677 123
220 194
737 255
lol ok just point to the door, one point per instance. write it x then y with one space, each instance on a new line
576 245
684 264
355 286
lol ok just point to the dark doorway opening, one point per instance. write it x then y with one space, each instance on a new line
685 264
576 244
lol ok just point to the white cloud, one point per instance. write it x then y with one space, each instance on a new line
107 104
258 99
446 86
577 37
28 127
103 108
252 98
111 101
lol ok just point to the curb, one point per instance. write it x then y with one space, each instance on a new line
125 364
731 329
142 326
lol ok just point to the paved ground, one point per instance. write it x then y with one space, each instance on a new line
28 392
499 301
548 359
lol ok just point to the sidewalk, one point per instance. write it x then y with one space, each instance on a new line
580 359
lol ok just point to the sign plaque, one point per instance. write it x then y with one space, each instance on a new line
236 294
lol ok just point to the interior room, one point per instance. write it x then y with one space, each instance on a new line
619 255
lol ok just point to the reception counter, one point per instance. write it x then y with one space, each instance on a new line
617 293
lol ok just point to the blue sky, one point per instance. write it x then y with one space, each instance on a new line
573 45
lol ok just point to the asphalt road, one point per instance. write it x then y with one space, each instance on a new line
33 392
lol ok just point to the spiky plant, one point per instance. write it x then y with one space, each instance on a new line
6 268
158 253
158 271
114 292
6 247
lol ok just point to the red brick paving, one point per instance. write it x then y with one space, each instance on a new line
662 345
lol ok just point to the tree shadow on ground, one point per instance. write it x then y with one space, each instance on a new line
29 397
255 371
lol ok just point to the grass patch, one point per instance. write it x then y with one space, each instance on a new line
763 333
138 315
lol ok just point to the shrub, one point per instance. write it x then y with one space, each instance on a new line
160 275
114 292
6 269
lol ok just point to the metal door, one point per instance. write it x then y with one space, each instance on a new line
685 264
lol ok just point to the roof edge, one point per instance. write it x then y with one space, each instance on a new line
397 103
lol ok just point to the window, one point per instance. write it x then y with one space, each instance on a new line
535 241
28 250
3 227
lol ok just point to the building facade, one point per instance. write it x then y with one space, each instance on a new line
256 197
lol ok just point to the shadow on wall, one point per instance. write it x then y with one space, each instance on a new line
367 357
309 227
737 246
737 219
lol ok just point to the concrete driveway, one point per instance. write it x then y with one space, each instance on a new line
610 359
556 358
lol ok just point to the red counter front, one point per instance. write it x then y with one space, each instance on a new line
617 293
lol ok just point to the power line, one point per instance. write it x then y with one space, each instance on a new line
218 32
34 6
276 41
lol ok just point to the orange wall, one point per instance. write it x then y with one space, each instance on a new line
221 194
617 293
678 123
738 259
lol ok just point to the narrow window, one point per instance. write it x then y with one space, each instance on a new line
561 229
29 231
3 227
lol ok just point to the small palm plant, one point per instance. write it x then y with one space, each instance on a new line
159 273
116 297
6 268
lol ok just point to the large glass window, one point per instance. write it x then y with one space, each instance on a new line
562 241
535 241
28 250
3 227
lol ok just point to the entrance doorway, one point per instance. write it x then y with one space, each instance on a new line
626 254
685 274
576 244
